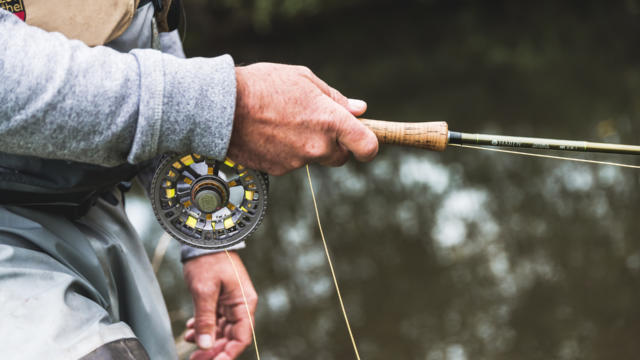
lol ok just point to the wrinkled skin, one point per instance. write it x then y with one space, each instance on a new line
285 117
221 326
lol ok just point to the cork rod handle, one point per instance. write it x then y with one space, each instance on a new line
425 135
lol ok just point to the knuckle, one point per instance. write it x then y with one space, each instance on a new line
337 96
205 321
245 342
370 149
341 160
272 169
252 299
297 163
204 288
337 160
315 149
332 119
277 169
303 70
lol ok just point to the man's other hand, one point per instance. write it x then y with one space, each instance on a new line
287 117
221 327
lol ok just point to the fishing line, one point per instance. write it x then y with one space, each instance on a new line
547 156
333 273
246 303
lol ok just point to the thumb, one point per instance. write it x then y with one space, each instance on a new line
358 138
205 301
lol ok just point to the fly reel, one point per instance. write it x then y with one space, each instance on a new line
208 203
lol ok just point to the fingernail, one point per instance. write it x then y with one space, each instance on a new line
205 341
356 104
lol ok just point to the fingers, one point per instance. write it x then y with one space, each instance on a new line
343 133
190 335
223 356
205 300
286 117
356 137
338 156
234 348
352 134
221 351
359 139
334 94
214 353
229 347
354 106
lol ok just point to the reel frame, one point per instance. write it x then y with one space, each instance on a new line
207 203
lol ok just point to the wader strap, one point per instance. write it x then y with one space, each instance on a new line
155 35
162 13
71 205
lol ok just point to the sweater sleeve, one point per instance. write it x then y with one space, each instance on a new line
170 43
61 99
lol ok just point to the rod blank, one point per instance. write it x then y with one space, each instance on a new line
540 143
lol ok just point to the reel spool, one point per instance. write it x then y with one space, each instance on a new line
208 203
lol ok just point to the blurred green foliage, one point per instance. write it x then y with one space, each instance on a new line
261 13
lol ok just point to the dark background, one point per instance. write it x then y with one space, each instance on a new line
456 255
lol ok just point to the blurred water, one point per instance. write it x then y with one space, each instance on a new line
462 254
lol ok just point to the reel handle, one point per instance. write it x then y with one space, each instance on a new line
425 135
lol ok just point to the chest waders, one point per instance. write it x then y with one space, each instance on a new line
69 187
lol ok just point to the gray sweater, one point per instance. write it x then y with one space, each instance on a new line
61 99
109 105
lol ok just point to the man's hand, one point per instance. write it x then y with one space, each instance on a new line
221 326
287 117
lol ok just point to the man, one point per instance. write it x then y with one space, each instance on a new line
75 121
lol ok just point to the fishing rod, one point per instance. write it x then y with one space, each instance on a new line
215 204
209 203
436 136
